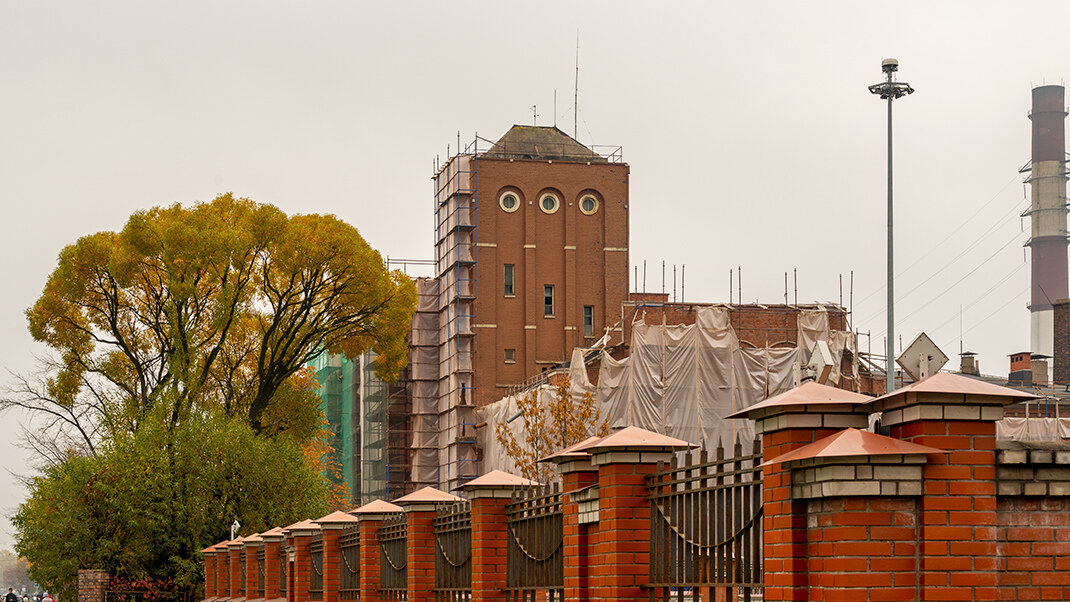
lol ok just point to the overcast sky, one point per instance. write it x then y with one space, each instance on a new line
751 137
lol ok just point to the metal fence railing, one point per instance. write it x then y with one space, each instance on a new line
453 553
534 547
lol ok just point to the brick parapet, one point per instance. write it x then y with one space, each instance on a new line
489 542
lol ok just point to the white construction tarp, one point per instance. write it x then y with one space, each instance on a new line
682 380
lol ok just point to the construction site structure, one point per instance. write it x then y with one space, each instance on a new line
531 253
1047 175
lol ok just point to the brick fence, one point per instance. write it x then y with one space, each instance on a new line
935 511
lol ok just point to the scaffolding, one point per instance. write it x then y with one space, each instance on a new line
338 385
385 433
423 384
455 269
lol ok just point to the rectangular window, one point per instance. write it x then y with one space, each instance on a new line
548 300
588 320
508 289
510 356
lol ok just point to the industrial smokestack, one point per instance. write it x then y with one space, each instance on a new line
1047 214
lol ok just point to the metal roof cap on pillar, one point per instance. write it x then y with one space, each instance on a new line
376 508
236 543
254 539
336 520
305 526
949 384
854 443
274 534
215 547
801 399
633 444
497 478
426 498
576 451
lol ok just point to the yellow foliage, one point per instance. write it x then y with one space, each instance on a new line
563 422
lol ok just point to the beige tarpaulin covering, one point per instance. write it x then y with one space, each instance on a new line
1033 429
682 380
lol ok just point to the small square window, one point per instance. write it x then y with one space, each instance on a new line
588 320
508 289
548 300
510 356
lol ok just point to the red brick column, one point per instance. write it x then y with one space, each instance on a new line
489 495
332 526
273 544
785 545
91 584
421 552
222 572
958 510
576 475
369 518
302 534
252 545
620 562
209 573
235 558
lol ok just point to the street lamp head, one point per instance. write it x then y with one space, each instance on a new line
889 65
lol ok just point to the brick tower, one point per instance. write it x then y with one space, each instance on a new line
531 260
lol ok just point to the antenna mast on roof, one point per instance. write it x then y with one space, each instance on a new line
576 92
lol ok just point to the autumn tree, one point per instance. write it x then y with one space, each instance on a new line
549 426
214 305
176 397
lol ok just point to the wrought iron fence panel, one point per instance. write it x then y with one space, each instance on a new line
534 551
393 559
241 563
260 556
315 578
453 553
706 526
349 550
284 570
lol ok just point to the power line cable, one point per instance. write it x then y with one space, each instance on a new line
979 298
962 225
986 318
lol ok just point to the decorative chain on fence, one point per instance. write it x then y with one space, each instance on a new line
394 560
535 555
349 550
453 553
706 526
315 578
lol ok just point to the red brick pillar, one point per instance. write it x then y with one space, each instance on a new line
577 474
235 560
958 530
420 508
301 534
91 584
620 562
252 545
332 526
273 545
370 517
222 572
489 495
209 572
786 422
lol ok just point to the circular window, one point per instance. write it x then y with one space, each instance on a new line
588 204
509 201
549 203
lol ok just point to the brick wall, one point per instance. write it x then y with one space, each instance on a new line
91 585
1061 344
1034 548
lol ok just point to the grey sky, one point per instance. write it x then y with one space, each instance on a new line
751 136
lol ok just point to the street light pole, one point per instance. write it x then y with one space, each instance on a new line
890 90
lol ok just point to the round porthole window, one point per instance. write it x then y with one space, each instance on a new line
509 201
549 203
588 204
